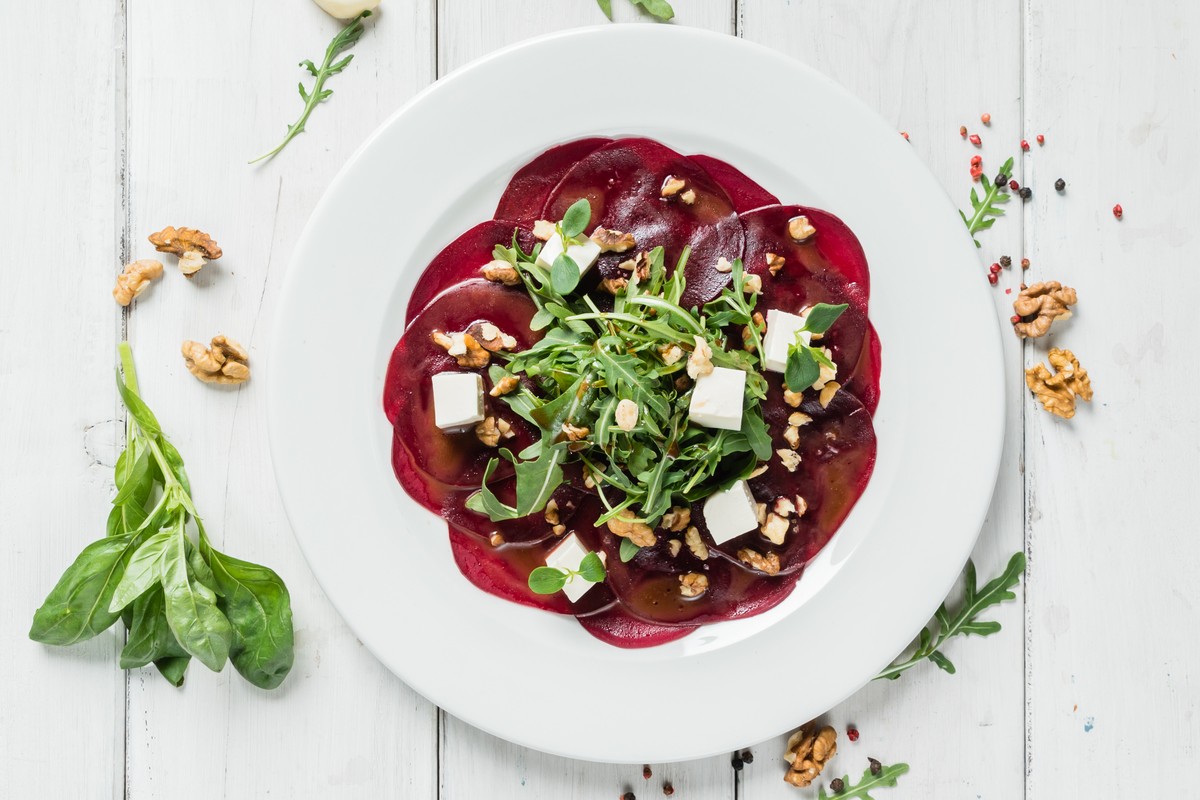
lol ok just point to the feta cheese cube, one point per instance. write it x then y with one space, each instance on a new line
730 513
582 254
569 555
781 333
457 399
717 399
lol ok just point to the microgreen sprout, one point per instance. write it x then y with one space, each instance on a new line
548 580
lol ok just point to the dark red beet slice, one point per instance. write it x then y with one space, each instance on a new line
745 193
526 193
461 259
623 182
420 487
864 379
616 626
524 530
454 459
837 456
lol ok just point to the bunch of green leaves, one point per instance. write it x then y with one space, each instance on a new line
870 781
548 580
804 361
944 627
658 8
987 208
179 598
345 39
590 360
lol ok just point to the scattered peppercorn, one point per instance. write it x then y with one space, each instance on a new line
852 733
993 278
1025 193
647 773
1024 263
876 767
905 135
1008 290
976 172
975 140
1118 212
837 786
1024 144
668 789
1014 319
1041 139
1023 287
1059 185
736 762
1001 179
962 131
629 796
1006 261
748 756
994 269
976 161
1014 185
986 119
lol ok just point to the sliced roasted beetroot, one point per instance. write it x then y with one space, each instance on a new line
745 193
524 530
420 487
616 626
837 456
456 459
623 181
863 381
461 260
526 193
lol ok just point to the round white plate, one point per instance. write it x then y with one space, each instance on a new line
436 168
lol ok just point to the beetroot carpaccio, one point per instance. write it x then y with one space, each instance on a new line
642 394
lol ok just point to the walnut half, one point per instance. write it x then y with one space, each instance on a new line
1040 305
808 751
134 280
194 248
1057 392
225 362
637 532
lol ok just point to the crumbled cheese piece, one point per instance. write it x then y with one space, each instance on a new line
730 513
781 334
717 399
569 555
584 254
457 399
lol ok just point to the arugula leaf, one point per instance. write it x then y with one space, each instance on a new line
547 580
986 209
885 778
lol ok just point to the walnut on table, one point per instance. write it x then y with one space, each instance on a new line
224 362
135 279
1057 391
1040 305
194 248
808 751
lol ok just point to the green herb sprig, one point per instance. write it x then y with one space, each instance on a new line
943 627
548 580
986 209
180 598
804 361
886 777
658 8
345 39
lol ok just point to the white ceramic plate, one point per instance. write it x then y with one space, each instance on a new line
436 168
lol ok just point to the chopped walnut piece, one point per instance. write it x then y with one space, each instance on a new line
626 415
505 385
671 354
747 339
784 507
638 263
752 284
807 753
558 530
194 248
723 265
756 560
693 584
135 279
799 419
695 543
626 526
760 513
700 361
827 393
544 229
672 186
675 546
688 197
613 241
759 470
1045 302
793 399
801 506
789 458
775 529
488 432
678 518
496 539
224 362
775 263
575 433
800 229
1057 392
500 272
791 435
491 338
826 373
614 286
551 512
463 347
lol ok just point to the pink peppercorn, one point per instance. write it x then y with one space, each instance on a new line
993 279
1118 212
976 161
994 269
1041 139
962 131
975 140
986 119
1014 185
1014 319
852 734
1024 144
976 172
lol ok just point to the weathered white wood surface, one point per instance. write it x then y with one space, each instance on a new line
140 114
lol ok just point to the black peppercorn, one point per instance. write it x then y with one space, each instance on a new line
629 796
748 756
1001 179
837 785
1025 193
736 762
1059 185
1006 261
668 789
875 766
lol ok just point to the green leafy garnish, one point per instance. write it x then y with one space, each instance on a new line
628 550
659 8
548 580
180 598
986 210
966 622
886 777
345 39
804 361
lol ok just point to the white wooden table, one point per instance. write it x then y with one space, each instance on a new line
122 116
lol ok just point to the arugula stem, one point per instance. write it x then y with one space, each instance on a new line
674 310
973 224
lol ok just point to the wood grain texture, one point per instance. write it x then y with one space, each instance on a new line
342 725
61 709
922 66
1112 622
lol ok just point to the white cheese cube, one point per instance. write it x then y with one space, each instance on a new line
717 399
457 399
583 255
781 333
569 555
730 513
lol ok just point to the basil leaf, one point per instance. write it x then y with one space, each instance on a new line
77 608
628 551
564 274
577 218
138 481
257 604
140 412
606 7
591 568
175 461
822 316
150 637
659 8
142 572
192 611
173 668
801 370
547 580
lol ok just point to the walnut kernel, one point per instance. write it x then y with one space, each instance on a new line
194 248
1057 392
1045 302
807 753
626 526
768 563
700 361
626 415
224 362
775 263
501 272
693 584
505 385
800 229
613 241
696 544
135 279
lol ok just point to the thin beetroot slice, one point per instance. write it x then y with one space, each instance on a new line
623 182
462 259
616 626
523 530
745 192
526 193
863 381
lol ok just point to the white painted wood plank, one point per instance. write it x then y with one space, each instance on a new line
1115 604
342 725
928 68
61 709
